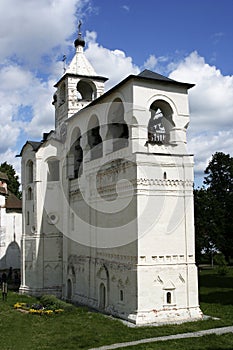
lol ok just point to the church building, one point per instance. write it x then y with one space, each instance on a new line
10 228
108 216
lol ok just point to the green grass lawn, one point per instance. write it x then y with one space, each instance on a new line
83 329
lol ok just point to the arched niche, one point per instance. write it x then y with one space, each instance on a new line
102 296
13 256
75 155
86 90
94 139
29 193
103 275
69 291
118 130
160 123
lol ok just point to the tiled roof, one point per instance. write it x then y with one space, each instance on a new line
145 75
34 144
12 202
148 74
153 75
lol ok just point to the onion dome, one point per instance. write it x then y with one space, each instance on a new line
79 41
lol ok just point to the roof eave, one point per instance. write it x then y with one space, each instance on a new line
72 75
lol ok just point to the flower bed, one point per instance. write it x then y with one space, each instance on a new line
36 309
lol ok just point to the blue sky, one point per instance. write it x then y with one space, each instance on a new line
166 28
187 40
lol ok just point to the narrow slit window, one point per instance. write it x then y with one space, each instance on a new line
169 297
121 295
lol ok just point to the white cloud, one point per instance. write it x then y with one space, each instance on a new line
8 133
27 105
113 64
158 64
216 37
151 62
211 108
33 29
32 35
126 8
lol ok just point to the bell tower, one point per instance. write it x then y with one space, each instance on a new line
79 85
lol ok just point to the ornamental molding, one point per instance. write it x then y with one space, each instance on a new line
166 183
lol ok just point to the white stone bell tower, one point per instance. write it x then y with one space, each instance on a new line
78 86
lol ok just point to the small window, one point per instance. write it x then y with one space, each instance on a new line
121 295
165 175
169 297
72 221
28 218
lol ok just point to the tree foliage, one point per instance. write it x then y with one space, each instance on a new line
13 184
214 206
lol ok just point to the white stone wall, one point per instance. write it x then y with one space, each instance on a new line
120 236
10 237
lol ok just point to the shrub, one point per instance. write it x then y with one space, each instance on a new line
220 261
53 303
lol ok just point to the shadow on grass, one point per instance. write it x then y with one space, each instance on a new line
218 297
211 279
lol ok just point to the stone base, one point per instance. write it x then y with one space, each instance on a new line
167 316
38 292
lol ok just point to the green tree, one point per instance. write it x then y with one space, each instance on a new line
214 206
201 214
13 184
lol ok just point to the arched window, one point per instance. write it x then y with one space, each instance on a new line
94 139
118 129
62 93
53 170
75 155
29 171
160 123
29 194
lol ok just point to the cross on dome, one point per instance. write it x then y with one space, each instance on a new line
79 41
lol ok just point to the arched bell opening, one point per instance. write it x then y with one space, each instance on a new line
118 130
75 155
94 139
86 90
160 123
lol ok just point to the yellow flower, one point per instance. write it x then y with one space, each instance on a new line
48 312
19 305
58 311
